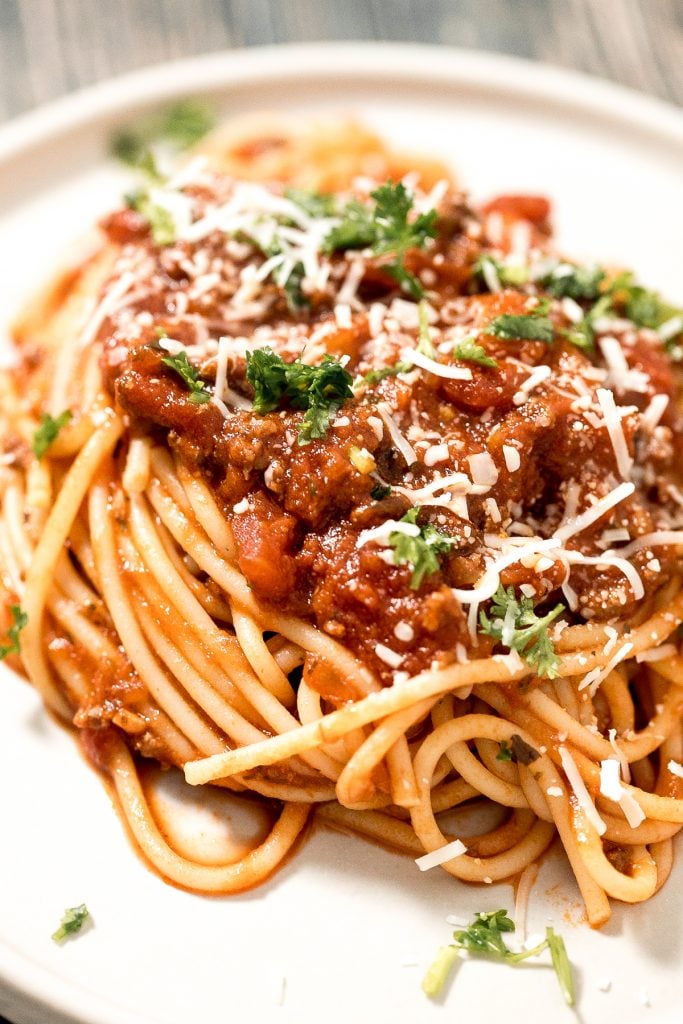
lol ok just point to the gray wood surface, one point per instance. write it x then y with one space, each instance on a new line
50 47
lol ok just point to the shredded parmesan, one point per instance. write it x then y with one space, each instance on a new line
657 653
512 458
389 657
575 524
597 676
405 448
448 852
580 792
612 415
411 355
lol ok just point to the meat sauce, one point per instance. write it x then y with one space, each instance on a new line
298 511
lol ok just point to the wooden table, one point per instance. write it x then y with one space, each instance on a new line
51 47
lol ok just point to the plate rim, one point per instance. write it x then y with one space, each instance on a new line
404 61
21 978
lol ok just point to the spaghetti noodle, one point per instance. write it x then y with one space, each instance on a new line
322 485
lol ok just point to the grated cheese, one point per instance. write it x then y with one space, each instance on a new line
405 448
411 355
597 676
675 768
620 374
483 469
437 857
580 792
576 524
658 653
512 458
612 415
389 657
656 408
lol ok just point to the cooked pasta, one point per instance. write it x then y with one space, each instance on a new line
321 484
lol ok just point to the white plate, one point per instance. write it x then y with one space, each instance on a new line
345 928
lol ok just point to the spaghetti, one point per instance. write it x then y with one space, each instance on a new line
322 485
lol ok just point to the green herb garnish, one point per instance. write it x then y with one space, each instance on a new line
387 230
315 204
179 127
190 376
505 751
320 390
484 937
421 551
470 352
424 339
48 432
515 624
575 282
158 217
380 491
72 922
533 326
505 274
19 622
375 376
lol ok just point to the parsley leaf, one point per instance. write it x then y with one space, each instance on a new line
320 390
534 326
387 230
575 282
72 922
470 352
380 491
522 752
484 937
19 622
375 376
158 217
180 126
495 272
190 376
516 625
315 204
505 752
48 432
420 550
185 123
582 334
424 338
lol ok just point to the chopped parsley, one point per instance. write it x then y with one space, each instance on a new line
315 204
19 622
515 624
386 228
158 217
533 326
320 390
190 376
421 551
178 127
375 376
505 751
575 282
470 352
380 491
484 937
72 922
493 271
424 338
48 431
